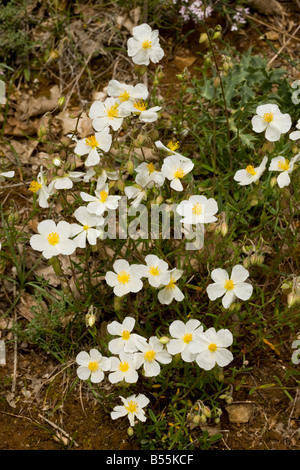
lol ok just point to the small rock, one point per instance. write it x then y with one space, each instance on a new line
239 413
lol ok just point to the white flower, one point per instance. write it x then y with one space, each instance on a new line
101 140
285 166
126 278
144 45
53 239
251 173
232 287
101 202
86 230
296 134
6 174
171 291
268 118
198 210
185 336
148 176
171 148
108 113
40 188
89 175
152 354
133 407
123 368
127 340
139 108
66 181
124 92
156 271
135 193
174 168
210 348
92 365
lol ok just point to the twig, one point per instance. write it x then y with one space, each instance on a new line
58 429
14 377
284 46
271 27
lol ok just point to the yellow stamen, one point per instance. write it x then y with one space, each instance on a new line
173 145
93 366
53 238
229 285
284 165
179 173
212 347
171 284
250 170
154 271
151 167
86 227
131 407
124 96
123 277
197 209
141 105
92 142
149 355
34 186
126 335
103 196
147 44
187 338
113 111
268 117
124 366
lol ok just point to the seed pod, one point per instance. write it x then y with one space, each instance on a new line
164 340
203 38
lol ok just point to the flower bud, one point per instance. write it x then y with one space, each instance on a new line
203 38
224 229
42 131
217 82
295 149
118 303
203 418
61 101
246 263
130 167
273 181
207 412
291 299
90 319
159 199
55 263
164 340
56 161
216 35
120 185
197 420
130 431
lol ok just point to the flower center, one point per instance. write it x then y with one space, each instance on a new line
93 366
124 96
141 105
103 196
284 165
173 145
250 170
86 227
91 141
53 238
131 406
147 44
179 173
154 271
124 366
171 284
123 277
197 209
112 112
34 186
268 117
151 167
187 338
229 285
126 335
149 355
212 347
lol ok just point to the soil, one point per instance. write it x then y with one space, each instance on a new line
40 406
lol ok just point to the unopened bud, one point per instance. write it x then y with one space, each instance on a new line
295 149
273 181
120 185
130 167
164 340
159 199
42 131
197 420
216 35
90 319
139 142
254 202
217 82
224 229
235 306
229 400
291 299
130 431
246 262
118 302
61 101
203 38
203 418
55 263
56 161
207 412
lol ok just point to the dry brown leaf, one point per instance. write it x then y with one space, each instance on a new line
270 7
25 306
40 105
68 124
49 275
184 62
271 35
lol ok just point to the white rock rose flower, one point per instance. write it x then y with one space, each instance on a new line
198 210
153 353
171 291
132 407
53 239
285 166
269 118
144 46
126 278
90 145
92 365
210 348
184 335
230 288
251 173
